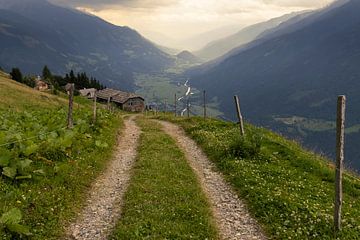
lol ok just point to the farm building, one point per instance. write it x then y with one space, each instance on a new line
126 101
88 92
40 85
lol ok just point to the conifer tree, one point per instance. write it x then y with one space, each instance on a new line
16 75
46 74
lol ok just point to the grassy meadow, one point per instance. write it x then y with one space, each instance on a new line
45 169
290 191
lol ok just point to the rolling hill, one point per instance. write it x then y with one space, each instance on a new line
35 32
297 73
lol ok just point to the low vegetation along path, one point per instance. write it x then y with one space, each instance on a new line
103 206
232 216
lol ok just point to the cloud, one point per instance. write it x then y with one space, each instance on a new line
153 4
181 19
297 3
106 4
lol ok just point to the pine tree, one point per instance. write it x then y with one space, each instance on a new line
72 77
46 74
16 75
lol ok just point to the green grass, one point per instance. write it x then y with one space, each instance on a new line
64 163
158 88
161 88
289 190
164 199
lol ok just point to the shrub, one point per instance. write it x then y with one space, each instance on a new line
246 147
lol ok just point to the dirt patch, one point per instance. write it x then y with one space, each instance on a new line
103 206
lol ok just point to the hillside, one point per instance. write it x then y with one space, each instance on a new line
45 169
297 74
34 33
53 179
220 47
290 191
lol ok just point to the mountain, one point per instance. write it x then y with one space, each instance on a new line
35 32
290 81
200 40
220 47
188 57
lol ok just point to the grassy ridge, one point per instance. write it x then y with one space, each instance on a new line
289 190
57 167
17 96
164 200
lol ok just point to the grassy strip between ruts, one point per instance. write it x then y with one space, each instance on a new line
164 199
52 170
289 190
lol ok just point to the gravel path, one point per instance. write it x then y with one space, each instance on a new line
104 203
231 214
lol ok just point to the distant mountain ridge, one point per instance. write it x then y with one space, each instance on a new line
34 33
220 47
297 71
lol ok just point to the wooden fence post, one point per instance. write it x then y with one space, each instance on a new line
108 103
175 105
188 107
95 110
241 123
70 89
204 104
340 130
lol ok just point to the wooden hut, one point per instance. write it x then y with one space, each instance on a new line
126 101
40 85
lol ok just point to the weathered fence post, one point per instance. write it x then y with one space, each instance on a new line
241 123
188 107
95 110
108 103
175 105
340 129
70 89
204 104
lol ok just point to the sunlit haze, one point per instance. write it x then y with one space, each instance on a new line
176 23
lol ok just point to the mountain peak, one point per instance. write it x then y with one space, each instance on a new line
188 57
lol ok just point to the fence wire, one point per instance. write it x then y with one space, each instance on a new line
25 139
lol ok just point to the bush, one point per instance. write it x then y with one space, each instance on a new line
247 147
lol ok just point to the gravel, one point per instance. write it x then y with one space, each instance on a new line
103 206
231 214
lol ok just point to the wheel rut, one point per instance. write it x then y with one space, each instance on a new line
233 219
103 207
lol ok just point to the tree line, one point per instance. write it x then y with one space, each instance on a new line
57 82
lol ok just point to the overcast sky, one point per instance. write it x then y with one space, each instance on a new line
180 19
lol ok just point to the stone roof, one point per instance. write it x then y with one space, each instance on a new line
107 93
116 95
87 91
